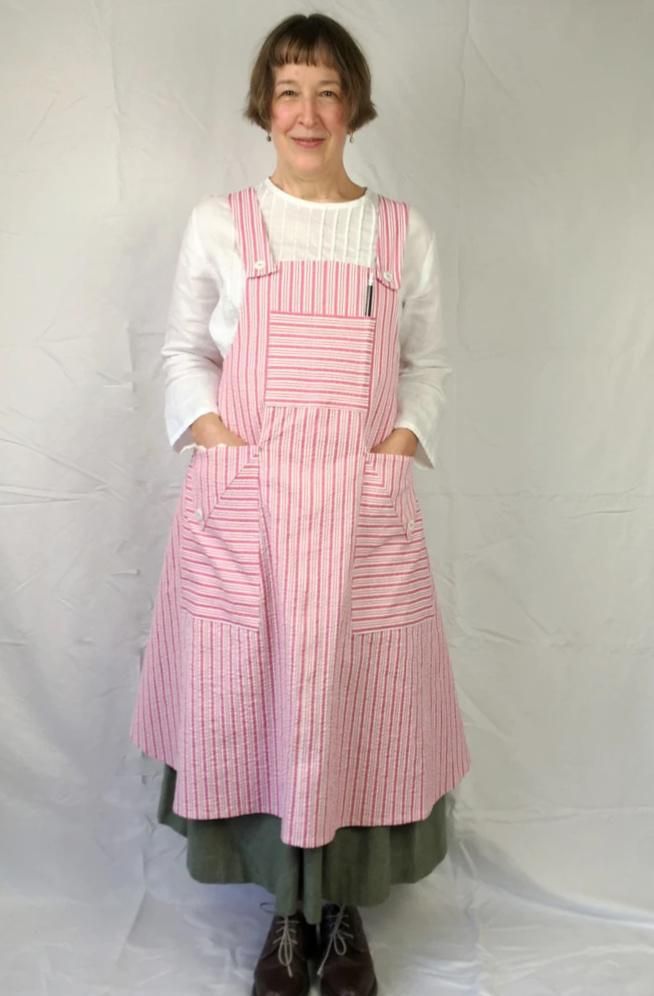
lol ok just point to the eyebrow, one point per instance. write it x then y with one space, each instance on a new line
320 82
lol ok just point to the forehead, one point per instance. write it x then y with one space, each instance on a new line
292 72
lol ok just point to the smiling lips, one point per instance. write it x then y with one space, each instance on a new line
309 143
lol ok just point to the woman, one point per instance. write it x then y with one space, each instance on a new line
296 682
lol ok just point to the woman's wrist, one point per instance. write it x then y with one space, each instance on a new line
407 439
401 441
207 429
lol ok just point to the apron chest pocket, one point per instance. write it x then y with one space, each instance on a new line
322 360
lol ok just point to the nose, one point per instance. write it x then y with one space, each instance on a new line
308 114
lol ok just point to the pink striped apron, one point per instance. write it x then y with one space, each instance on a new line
296 663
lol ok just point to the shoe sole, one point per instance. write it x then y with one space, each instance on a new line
373 991
307 991
325 992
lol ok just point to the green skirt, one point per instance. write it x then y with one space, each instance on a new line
357 867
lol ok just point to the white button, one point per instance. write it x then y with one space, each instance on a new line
387 275
259 264
199 514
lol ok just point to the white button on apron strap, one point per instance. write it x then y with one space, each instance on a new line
259 264
199 514
388 275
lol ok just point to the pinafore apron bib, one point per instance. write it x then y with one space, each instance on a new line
297 663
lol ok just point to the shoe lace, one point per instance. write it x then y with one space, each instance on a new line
336 924
285 937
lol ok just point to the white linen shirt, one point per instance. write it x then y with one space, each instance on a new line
208 289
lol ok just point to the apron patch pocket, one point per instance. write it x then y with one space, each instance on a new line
214 472
388 484
392 583
220 556
319 360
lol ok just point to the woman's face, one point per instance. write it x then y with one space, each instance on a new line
308 103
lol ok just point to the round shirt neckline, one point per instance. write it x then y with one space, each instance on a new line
366 195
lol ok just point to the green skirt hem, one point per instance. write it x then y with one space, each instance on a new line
357 867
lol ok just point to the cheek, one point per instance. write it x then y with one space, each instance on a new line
283 117
337 117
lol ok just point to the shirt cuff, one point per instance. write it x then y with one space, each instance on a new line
424 455
179 428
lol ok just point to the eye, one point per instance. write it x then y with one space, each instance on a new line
332 92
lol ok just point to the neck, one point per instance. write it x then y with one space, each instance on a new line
323 187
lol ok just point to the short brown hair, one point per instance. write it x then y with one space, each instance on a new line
309 39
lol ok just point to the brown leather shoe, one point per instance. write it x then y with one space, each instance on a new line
282 968
346 968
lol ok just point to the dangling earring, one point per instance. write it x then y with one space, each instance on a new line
269 139
351 136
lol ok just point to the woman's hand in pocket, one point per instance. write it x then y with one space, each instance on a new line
210 430
402 442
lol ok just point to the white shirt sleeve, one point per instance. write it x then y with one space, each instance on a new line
424 362
191 359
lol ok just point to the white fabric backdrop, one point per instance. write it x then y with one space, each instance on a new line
523 130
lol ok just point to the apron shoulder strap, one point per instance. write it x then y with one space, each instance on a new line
256 253
251 233
393 221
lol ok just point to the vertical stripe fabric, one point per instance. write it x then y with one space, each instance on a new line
296 663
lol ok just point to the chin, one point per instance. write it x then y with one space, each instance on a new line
309 162
311 155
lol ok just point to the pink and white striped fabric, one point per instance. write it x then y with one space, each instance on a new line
296 663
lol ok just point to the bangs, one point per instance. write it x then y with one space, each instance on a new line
304 48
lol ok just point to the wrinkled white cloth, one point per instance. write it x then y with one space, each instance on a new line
208 288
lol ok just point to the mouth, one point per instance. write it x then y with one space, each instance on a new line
309 143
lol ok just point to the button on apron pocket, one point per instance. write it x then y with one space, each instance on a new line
220 562
392 583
